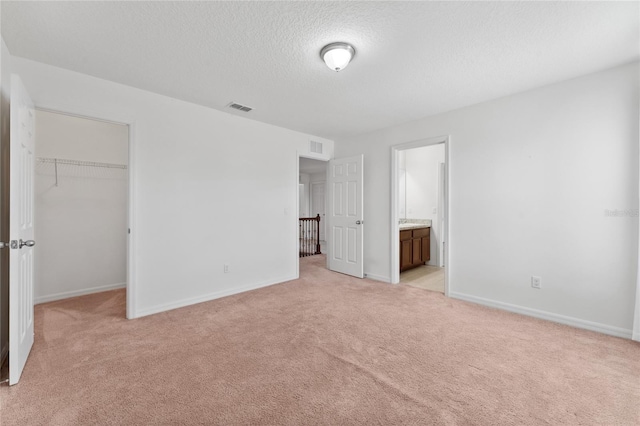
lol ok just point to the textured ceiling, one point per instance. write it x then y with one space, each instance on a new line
413 59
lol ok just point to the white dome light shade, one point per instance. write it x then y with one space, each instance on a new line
337 55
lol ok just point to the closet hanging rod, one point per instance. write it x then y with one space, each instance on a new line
57 161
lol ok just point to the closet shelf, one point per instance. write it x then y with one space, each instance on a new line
61 161
80 163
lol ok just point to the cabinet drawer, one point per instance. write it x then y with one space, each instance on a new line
421 232
405 235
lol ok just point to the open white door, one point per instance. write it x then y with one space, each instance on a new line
21 229
346 219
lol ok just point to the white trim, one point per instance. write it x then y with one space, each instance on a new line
442 181
377 277
296 250
131 234
395 214
549 316
636 316
84 291
211 296
635 335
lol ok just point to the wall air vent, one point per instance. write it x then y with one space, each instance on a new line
239 107
315 147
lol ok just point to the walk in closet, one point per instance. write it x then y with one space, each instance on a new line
81 193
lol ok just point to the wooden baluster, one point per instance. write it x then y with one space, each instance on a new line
308 238
317 234
309 230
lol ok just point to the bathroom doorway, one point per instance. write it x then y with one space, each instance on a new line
419 214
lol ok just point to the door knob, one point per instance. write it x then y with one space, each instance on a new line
28 243
359 222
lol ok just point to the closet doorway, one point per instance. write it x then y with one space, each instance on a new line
81 206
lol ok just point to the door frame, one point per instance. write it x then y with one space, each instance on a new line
395 201
442 169
131 166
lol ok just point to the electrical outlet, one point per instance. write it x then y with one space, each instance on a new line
536 282
226 269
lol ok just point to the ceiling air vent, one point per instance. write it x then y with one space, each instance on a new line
315 147
239 107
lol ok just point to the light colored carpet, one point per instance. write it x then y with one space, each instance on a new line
322 350
426 277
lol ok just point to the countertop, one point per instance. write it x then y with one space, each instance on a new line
405 226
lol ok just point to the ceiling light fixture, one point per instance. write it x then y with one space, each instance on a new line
337 55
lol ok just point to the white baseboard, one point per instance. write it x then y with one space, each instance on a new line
549 316
377 277
68 294
208 297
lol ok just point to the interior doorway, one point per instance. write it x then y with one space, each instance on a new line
419 219
81 206
312 232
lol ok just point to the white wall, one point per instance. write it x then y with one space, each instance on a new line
402 184
530 178
76 138
422 166
422 169
209 188
81 224
317 178
304 202
307 179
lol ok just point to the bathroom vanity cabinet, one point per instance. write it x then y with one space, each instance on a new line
415 247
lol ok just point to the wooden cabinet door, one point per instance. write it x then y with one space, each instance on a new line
426 248
416 257
405 254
